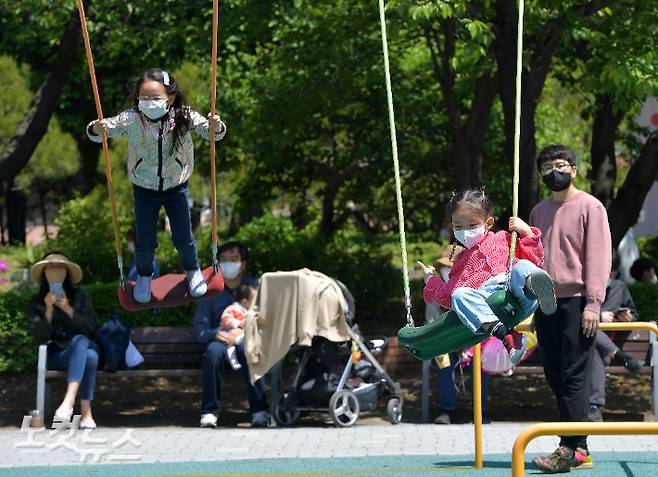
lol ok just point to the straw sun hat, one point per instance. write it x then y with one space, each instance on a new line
75 272
444 260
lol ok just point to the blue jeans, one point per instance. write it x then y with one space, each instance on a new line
446 386
215 360
147 208
80 359
471 304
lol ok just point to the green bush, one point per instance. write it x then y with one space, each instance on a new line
645 297
648 247
17 350
86 236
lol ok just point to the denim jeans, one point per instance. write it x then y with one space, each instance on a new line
470 304
147 208
215 360
80 359
447 389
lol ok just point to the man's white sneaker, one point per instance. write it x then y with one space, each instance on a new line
142 290
197 283
208 420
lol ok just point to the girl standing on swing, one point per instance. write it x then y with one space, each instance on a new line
481 270
160 161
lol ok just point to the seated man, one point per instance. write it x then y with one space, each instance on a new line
618 306
207 320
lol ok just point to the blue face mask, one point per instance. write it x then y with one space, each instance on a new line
57 288
153 108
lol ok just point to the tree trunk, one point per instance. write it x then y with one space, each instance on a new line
602 150
625 208
467 130
2 213
44 213
16 215
28 134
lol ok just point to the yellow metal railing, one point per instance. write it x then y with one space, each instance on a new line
616 326
573 429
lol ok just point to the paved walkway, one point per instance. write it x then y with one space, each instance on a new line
169 445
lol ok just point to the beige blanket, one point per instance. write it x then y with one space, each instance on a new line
291 307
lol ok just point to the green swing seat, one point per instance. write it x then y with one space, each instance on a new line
448 333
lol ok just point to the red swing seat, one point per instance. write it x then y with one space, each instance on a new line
170 290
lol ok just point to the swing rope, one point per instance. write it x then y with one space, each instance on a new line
106 149
396 167
213 104
517 136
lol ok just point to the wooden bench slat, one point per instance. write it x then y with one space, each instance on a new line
169 348
163 334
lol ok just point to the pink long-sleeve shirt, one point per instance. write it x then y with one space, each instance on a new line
578 246
477 264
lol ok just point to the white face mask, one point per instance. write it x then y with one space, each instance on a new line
470 237
153 108
445 272
230 270
654 279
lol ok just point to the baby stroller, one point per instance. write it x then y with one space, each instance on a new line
342 378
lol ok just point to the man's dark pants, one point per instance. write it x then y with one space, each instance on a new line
567 356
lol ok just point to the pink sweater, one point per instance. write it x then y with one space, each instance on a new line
578 246
476 265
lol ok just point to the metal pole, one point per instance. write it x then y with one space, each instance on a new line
425 399
573 429
477 404
653 339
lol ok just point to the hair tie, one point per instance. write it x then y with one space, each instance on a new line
165 78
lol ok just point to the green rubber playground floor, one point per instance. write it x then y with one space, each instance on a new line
608 464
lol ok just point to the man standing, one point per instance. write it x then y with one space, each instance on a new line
232 261
578 251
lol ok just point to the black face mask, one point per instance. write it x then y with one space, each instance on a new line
557 181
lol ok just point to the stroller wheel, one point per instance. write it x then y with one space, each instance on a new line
344 408
394 410
285 411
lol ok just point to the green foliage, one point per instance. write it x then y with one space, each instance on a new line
645 297
17 350
648 247
86 236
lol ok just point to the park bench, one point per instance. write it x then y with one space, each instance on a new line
167 351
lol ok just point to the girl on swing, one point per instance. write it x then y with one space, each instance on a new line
481 270
157 124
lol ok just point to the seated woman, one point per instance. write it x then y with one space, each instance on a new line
63 317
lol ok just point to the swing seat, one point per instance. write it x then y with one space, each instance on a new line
170 290
448 334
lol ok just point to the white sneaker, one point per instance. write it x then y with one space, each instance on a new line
88 424
208 420
197 283
64 413
233 358
142 290
260 419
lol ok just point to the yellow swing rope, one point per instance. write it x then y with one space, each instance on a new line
106 149
517 133
396 164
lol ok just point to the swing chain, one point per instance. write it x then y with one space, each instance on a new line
215 262
122 279
407 304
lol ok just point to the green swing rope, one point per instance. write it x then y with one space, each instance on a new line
517 135
396 167
396 164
